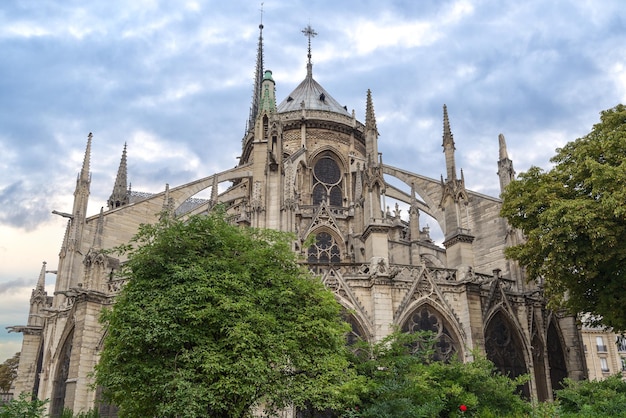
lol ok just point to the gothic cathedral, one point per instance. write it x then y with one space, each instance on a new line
308 166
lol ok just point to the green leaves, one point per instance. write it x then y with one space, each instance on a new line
403 381
217 319
574 221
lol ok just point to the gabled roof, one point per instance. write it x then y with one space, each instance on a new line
314 97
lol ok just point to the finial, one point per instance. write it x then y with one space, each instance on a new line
309 32
261 10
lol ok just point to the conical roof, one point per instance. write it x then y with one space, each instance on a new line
314 96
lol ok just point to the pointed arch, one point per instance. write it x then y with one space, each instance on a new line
426 317
556 356
328 178
353 308
504 346
61 374
539 366
328 247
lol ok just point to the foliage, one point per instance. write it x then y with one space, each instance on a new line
574 220
23 407
216 320
402 381
68 413
599 398
8 372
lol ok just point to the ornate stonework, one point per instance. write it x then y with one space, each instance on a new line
310 167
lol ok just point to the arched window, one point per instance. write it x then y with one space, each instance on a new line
325 250
327 183
556 358
59 384
427 319
504 349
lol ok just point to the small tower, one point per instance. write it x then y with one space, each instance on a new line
120 196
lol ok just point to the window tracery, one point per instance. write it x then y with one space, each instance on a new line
325 250
427 319
327 181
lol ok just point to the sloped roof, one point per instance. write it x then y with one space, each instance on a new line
314 96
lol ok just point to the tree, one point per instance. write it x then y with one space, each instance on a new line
8 372
216 320
403 381
25 406
597 398
574 221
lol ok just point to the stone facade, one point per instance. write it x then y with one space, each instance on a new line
308 166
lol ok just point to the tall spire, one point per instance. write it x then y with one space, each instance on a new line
448 146
119 196
309 32
258 79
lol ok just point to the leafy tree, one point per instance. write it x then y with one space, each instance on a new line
403 381
217 320
574 220
23 407
599 398
8 372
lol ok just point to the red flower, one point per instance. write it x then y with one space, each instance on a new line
463 408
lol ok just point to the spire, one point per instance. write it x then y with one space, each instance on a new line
448 146
370 118
84 173
258 79
81 193
502 147
506 173
41 282
119 196
309 32
371 131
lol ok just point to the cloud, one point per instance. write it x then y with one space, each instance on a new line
13 286
174 81
23 205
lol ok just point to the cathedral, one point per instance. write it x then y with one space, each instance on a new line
309 167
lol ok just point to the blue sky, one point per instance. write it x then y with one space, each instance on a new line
173 80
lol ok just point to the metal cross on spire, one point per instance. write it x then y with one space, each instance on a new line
309 32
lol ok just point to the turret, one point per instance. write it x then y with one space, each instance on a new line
38 299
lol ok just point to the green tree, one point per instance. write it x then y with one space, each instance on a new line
23 407
404 382
574 221
598 398
8 372
216 320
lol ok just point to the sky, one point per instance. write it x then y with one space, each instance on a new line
173 80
